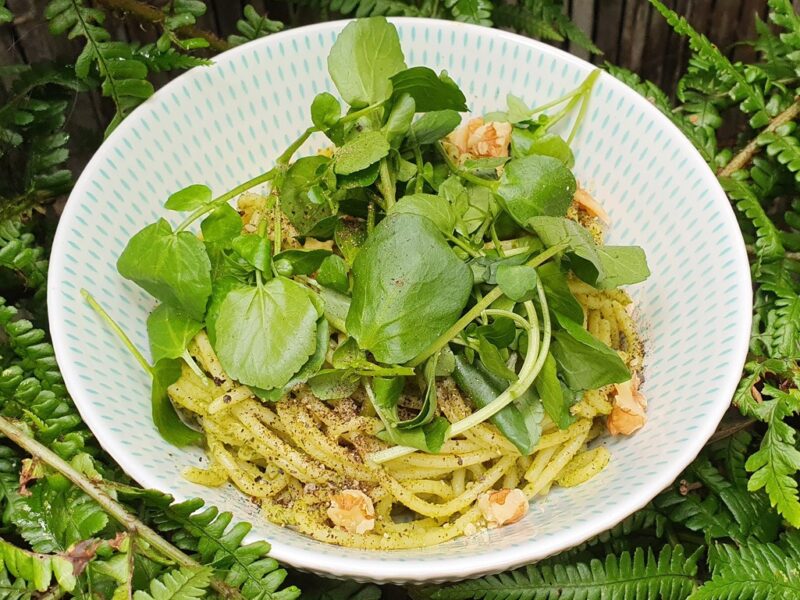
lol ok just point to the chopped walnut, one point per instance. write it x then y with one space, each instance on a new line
352 510
503 507
628 412
476 139
584 199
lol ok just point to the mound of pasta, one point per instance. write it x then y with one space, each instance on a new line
408 336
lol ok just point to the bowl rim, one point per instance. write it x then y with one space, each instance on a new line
416 570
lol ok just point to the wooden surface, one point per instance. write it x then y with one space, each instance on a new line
629 32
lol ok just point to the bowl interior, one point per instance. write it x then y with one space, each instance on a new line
224 124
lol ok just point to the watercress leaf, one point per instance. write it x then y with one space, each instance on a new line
484 268
429 91
518 282
365 55
435 208
556 403
337 306
621 265
222 225
325 111
170 330
399 120
584 259
405 169
500 332
585 362
322 229
332 384
525 143
559 297
333 274
173 267
315 362
517 111
485 164
295 204
347 354
408 288
359 179
221 287
493 360
386 393
446 363
189 198
429 398
433 126
165 417
360 152
265 334
536 185
303 262
255 249
350 236
471 204
482 387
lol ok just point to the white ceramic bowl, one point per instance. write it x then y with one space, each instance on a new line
223 124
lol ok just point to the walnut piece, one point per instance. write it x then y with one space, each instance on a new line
503 507
628 412
476 139
584 199
352 510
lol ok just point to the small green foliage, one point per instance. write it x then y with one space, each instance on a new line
253 26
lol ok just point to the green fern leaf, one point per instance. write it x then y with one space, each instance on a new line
124 76
784 15
755 571
784 146
36 569
643 574
253 26
732 451
705 515
183 584
478 12
750 99
52 519
6 16
210 534
18 589
768 241
775 464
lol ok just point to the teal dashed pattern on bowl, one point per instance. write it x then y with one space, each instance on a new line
226 123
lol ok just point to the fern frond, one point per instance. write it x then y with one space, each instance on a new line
51 519
768 240
6 16
732 453
210 533
36 569
668 575
753 571
542 19
750 99
253 26
478 12
705 515
158 61
124 78
784 15
179 584
784 146
777 461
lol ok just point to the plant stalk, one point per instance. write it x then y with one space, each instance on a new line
151 14
743 158
114 509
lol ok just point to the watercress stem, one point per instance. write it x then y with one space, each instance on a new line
518 319
361 112
534 359
110 506
465 175
284 158
387 185
476 310
277 230
219 201
117 330
464 246
589 84
419 180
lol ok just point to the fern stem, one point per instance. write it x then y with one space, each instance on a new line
743 158
151 14
114 509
